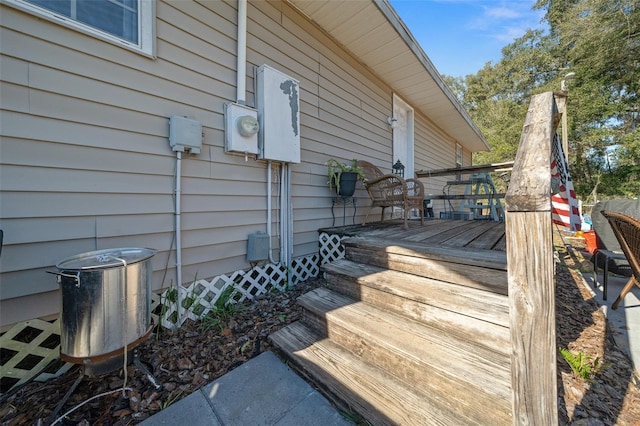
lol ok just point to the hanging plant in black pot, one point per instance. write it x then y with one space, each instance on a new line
343 177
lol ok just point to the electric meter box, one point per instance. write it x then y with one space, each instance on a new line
278 101
185 134
241 129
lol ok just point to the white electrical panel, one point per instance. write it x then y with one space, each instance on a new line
278 100
241 129
185 134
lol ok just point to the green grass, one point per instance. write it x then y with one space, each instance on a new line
582 365
224 308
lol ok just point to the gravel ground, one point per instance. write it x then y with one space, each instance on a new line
196 354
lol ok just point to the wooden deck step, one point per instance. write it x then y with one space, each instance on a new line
416 354
370 391
468 313
482 269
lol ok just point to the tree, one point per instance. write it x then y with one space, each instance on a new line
598 40
601 42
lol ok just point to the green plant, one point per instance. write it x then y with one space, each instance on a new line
335 170
171 399
171 295
225 304
582 365
355 418
246 346
223 309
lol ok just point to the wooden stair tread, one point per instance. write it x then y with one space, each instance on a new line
440 265
463 255
414 350
484 305
371 392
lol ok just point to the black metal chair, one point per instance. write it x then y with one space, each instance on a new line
627 231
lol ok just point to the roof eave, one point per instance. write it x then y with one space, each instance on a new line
349 25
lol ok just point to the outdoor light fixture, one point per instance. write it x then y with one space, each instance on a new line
398 168
393 122
567 76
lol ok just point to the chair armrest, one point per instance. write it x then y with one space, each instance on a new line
389 179
415 188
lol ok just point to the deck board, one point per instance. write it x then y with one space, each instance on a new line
472 234
432 230
489 239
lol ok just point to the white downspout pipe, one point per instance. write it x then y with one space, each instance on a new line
241 66
178 238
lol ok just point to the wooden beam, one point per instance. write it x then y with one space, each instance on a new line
530 270
508 165
465 197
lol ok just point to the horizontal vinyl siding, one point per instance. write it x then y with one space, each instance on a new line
343 110
86 163
85 158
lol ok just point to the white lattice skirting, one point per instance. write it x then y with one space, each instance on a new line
199 298
31 350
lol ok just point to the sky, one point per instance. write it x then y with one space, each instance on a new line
461 36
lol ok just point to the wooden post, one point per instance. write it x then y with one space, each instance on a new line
531 270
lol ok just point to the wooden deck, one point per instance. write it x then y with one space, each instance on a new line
428 325
462 234
397 310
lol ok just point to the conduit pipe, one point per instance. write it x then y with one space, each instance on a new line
241 72
178 238
289 225
284 245
286 234
285 208
241 67
269 171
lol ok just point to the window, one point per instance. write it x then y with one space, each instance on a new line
124 22
459 160
458 155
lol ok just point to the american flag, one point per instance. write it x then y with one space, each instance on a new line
564 204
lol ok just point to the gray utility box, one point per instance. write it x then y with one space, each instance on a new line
258 247
278 102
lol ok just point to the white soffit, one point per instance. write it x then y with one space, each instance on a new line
373 32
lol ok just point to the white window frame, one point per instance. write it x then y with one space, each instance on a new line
459 159
146 25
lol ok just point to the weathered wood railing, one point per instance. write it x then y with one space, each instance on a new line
531 269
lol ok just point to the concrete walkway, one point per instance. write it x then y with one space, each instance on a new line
262 391
625 321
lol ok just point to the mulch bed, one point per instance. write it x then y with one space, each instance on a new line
199 352
613 395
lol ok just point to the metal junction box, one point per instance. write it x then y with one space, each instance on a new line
185 134
258 247
278 100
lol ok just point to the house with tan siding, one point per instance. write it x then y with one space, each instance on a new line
86 161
